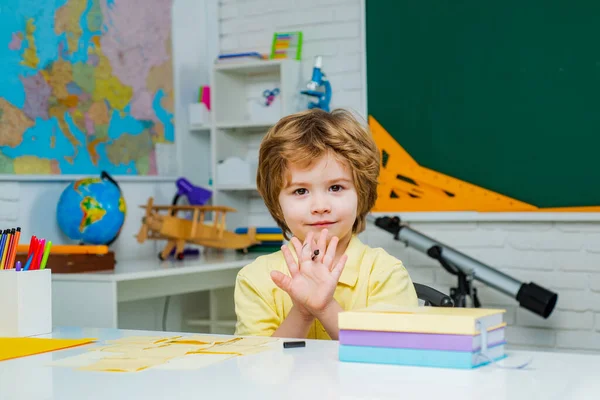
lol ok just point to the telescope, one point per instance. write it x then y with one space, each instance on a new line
530 296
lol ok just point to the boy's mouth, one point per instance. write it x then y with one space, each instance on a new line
322 224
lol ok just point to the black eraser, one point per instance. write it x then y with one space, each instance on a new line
289 345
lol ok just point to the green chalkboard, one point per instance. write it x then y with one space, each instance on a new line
501 94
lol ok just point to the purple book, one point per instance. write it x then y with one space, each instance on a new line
429 341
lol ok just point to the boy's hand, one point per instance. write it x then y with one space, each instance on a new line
313 281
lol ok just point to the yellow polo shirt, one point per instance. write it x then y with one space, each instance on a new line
371 276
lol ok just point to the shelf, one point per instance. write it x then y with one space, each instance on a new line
252 67
74 177
244 124
200 128
236 187
240 119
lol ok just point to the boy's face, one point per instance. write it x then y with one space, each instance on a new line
318 197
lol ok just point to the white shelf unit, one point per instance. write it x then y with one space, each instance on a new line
240 119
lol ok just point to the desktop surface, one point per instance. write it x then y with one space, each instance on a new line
151 268
312 372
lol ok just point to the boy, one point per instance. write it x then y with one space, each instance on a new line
317 174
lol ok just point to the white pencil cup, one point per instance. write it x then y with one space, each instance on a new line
25 302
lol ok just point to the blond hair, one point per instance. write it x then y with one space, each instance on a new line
306 136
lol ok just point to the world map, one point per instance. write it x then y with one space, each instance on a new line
85 86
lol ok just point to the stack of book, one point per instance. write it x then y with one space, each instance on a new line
271 239
422 336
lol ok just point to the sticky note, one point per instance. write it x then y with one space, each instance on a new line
254 341
142 339
202 339
232 349
113 364
170 351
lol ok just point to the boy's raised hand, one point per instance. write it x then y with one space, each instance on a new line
311 283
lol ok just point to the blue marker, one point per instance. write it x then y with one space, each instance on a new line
18 266
28 263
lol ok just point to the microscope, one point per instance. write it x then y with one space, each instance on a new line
318 81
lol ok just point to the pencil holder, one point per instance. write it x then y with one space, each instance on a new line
26 302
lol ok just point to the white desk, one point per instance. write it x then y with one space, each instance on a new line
312 372
91 299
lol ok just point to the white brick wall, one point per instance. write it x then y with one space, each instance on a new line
562 257
331 28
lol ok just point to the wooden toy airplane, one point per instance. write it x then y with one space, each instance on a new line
178 231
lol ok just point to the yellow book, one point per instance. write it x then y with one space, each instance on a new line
21 347
441 320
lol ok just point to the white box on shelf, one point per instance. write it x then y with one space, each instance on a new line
235 171
26 298
199 115
258 92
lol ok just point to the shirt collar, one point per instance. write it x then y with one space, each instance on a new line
355 252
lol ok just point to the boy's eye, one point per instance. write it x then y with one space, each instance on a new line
300 191
336 188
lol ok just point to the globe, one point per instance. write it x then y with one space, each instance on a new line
92 210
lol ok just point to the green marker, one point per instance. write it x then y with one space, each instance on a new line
46 254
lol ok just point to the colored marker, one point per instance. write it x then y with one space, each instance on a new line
28 263
32 244
39 253
2 241
18 267
13 255
46 254
5 249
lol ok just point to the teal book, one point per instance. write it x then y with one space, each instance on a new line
420 357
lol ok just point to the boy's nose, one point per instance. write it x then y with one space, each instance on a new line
320 206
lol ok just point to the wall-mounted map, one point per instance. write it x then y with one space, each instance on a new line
85 86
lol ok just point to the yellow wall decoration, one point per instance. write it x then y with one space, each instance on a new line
404 185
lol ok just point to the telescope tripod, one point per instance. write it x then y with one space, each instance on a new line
464 295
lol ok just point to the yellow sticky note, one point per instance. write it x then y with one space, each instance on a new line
21 347
254 341
170 351
232 349
80 360
142 339
113 346
113 364
202 339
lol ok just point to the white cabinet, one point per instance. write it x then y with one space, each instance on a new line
240 117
